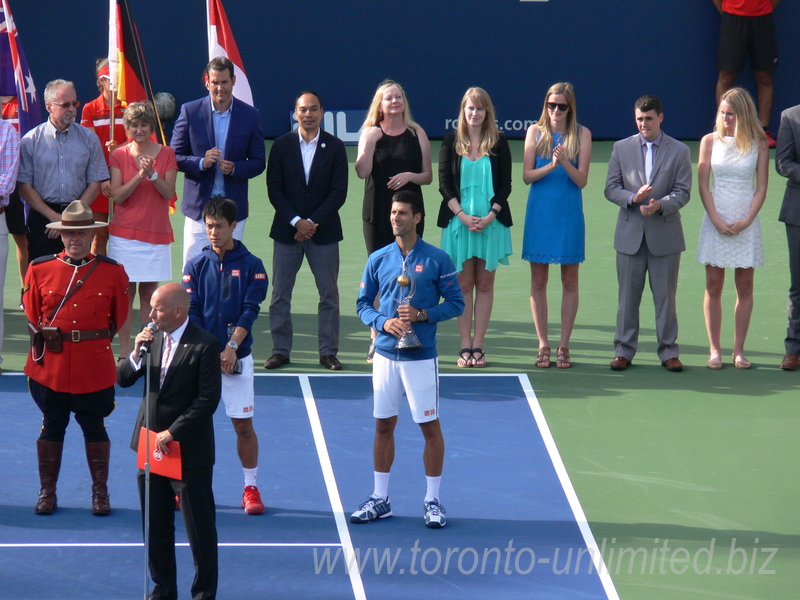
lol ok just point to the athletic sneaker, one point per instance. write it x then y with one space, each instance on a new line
251 501
372 508
434 514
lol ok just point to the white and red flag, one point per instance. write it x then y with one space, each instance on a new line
221 43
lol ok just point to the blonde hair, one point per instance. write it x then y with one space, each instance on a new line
489 133
748 128
571 142
375 115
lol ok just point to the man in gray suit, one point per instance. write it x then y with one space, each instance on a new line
650 178
787 163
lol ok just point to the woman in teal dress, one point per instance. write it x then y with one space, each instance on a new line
475 182
556 165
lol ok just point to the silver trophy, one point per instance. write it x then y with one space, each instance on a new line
406 287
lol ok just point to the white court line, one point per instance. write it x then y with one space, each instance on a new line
333 489
181 544
569 491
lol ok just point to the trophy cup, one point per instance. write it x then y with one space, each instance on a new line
406 286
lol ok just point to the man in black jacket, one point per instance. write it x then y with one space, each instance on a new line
307 185
184 393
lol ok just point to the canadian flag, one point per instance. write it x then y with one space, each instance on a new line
221 43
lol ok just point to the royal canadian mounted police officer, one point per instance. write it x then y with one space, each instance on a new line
74 302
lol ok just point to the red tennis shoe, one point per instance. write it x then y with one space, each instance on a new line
251 501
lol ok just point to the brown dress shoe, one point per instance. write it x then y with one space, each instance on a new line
329 361
673 364
790 362
620 363
276 360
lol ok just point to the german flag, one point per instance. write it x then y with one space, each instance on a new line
127 69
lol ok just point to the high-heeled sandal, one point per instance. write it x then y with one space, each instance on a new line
543 358
563 360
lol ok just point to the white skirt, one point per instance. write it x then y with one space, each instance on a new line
143 261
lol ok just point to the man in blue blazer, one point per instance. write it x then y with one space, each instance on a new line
307 185
219 146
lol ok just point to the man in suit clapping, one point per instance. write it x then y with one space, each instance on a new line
650 178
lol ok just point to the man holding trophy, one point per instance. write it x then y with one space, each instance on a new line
418 287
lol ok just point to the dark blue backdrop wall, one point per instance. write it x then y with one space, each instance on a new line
611 50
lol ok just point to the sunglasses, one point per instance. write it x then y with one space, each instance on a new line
555 105
73 104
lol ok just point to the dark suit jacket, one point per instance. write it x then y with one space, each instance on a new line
787 163
319 200
193 135
186 402
450 178
671 179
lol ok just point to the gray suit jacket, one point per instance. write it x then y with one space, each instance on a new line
671 179
787 163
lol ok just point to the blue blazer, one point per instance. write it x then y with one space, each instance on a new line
319 200
193 135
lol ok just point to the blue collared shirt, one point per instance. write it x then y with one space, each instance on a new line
656 144
222 121
61 164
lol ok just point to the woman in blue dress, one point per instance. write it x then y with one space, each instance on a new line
475 182
556 165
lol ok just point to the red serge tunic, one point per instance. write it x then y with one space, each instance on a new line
88 365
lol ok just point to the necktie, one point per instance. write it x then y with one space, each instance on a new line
165 358
648 161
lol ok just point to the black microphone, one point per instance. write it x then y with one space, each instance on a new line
145 347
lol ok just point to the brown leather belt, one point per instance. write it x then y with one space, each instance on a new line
79 336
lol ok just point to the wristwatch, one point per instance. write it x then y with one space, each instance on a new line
153 177
422 315
232 344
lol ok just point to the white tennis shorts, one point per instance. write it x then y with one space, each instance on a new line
419 379
237 391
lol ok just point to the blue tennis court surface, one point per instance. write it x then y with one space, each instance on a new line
515 528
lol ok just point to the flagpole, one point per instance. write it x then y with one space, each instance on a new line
113 140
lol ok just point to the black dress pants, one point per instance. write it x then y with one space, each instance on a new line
199 516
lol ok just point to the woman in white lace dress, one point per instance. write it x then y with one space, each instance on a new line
737 155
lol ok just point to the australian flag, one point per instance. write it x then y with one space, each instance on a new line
15 75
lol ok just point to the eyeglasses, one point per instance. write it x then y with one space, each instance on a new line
73 104
555 105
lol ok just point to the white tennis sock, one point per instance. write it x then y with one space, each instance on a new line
250 476
433 488
381 485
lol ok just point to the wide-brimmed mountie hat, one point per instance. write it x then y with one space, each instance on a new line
77 215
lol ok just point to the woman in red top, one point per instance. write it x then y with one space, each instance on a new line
143 176
97 117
